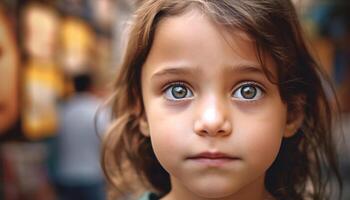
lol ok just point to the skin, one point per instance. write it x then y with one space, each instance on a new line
212 66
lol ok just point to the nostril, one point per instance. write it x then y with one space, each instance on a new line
202 133
221 132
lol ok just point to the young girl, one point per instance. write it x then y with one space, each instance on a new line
220 100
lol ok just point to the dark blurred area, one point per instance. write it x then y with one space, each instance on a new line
57 61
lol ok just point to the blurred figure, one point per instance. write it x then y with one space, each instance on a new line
43 80
8 74
8 92
78 174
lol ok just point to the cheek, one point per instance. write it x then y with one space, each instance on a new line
168 135
264 145
260 141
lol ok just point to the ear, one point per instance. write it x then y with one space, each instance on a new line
144 128
295 117
293 125
142 119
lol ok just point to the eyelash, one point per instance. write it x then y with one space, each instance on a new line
240 86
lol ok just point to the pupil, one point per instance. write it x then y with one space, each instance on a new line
179 92
248 92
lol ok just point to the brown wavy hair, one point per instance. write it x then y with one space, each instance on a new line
306 161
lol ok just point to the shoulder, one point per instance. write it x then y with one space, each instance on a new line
149 196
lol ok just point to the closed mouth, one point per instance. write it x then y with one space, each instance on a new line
210 159
213 156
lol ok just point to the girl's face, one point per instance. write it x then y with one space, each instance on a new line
215 121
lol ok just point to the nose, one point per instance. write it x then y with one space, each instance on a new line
213 119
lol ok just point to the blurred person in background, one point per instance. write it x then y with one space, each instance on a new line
8 92
9 63
77 173
27 134
43 83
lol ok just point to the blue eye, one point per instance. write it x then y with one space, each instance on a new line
248 92
178 91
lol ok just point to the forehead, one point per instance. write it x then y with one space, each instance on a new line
194 36
196 27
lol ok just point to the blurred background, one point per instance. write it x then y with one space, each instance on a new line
57 62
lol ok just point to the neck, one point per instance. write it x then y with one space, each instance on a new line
253 191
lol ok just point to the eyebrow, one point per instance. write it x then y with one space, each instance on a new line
184 70
175 70
246 68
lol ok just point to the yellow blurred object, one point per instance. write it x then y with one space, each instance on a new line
43 85
77 41
76 34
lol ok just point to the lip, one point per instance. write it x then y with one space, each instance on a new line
213 159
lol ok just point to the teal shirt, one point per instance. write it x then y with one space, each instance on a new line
149 196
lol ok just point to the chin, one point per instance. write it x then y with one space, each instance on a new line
214 192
